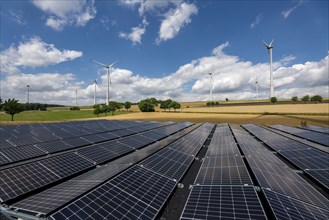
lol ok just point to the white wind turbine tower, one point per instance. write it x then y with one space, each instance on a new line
256 87
76 98
211 86
28 91
269 48
108 78
95 87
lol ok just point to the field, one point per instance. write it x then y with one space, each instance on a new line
238 113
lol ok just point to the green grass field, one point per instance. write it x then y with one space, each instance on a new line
54 115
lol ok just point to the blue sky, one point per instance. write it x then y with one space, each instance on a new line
165 49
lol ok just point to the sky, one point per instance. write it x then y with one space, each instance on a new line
165 49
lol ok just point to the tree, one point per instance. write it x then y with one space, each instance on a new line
154 101
146 105
113 106
175 105
127 105
165 104
97 110
274 100
305 98
1 103
294 99
12 107
316 98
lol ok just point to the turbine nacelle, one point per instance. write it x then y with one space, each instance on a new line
268 46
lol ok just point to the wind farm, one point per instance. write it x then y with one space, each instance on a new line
196 121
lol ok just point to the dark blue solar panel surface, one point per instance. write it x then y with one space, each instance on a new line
225 170
223 202
168 162
285 207
14 154
135 194
317 137
322 176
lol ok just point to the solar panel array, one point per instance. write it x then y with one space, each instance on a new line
223 188
130 170
311 160
316 128
273 176
321 138
141 191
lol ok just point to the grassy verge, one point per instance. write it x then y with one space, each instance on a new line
54 115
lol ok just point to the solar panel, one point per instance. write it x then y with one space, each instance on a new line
223 202
55 197
135 142
285 207
316 128
320 138
4 159
317 162
251 148
77 142
97 154
123 132
168 162
54 146
298 189
322 176
135 194
15 154
23 179
95 138
226 170
66 164
154 135
105 151
5 144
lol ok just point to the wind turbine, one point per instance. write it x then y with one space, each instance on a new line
211 86
95 85
28 91
108 78
256 87
269 48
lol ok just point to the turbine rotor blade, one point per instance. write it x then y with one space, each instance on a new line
265 44
270 45
102 64
113 63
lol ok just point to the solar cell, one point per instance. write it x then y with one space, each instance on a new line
226 170
123 132
154 135
285 207
223 202
168 162
135 194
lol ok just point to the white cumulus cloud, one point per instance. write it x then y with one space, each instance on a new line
65 13
136 33
34 53
287 12
174 21
257 21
